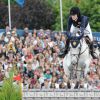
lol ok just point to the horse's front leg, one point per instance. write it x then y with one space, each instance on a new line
66 65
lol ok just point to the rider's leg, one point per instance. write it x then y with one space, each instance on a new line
89 40
90 44
88 32
66 46
66 49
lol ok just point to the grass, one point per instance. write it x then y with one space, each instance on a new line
10 91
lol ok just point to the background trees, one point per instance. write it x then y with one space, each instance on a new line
88 8
46 14
34 14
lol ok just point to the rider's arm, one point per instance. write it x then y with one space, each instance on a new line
84 23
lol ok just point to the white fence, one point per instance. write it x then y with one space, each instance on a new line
64 94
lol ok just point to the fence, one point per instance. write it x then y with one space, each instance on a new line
61 94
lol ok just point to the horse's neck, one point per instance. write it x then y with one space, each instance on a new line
84 45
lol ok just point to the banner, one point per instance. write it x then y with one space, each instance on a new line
97 36
20 2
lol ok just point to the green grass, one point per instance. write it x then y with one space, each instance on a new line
9 91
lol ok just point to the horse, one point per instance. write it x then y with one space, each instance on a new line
78 56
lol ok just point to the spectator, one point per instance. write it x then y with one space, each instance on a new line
36 58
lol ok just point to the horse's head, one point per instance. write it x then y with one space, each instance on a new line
76 46
75 42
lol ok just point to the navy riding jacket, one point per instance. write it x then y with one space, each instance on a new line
81 23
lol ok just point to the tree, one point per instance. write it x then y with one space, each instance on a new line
46 13
66 5
92 10
2 8
34 14
88 8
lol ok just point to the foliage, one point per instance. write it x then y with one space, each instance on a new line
66 5
9 91
88 8
35 14
6 1
46 13
92 10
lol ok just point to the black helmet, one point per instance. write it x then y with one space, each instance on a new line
75 10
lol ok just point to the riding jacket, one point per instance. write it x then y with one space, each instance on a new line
81 23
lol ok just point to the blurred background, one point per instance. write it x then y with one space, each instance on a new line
46 13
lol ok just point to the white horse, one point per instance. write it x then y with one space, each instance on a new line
78 54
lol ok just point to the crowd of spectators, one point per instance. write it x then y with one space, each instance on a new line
36 56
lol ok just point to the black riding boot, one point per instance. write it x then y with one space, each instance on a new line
66 48
92 51
90 45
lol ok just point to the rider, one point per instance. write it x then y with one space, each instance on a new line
78 22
